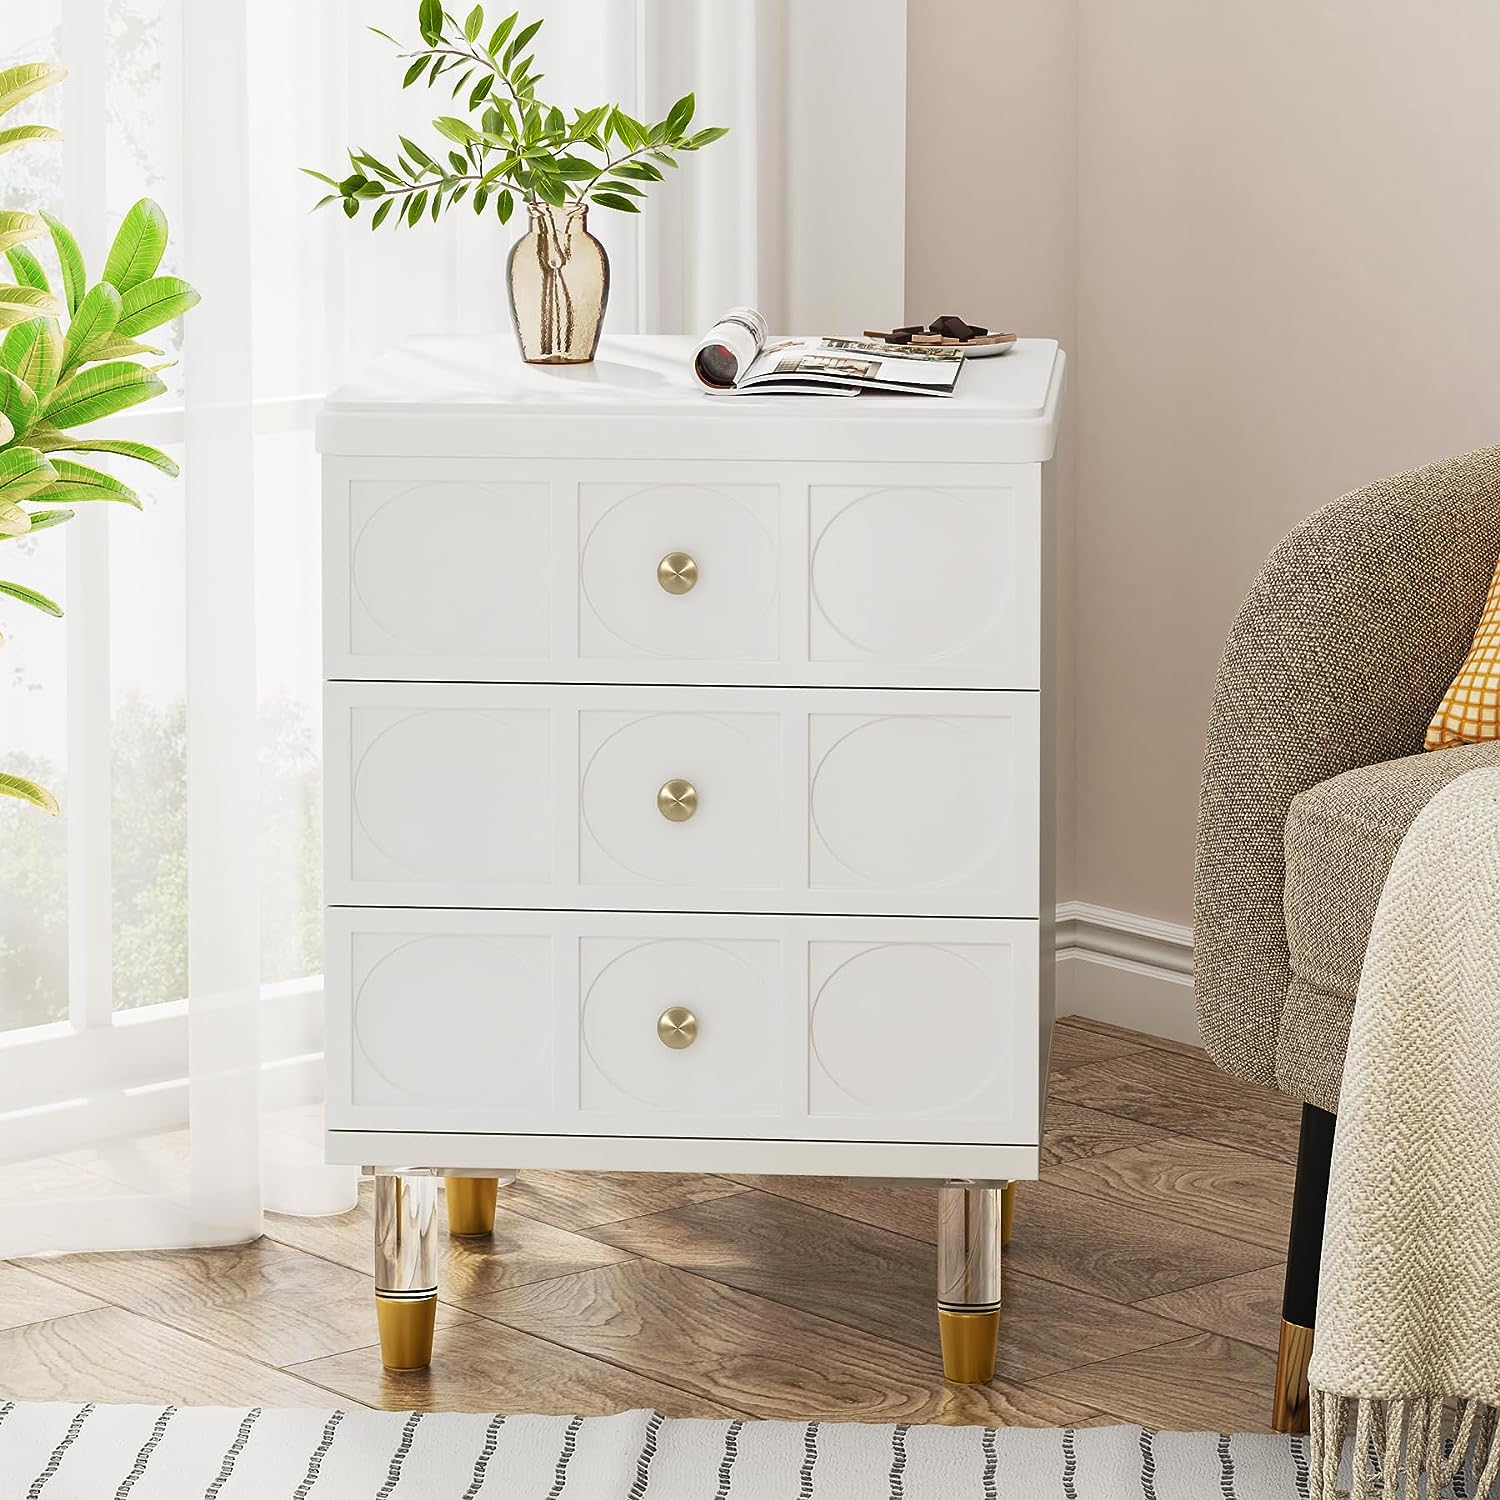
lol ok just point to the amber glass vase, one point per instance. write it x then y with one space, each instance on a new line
559 286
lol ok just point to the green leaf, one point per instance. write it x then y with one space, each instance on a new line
13 520
52 440
480 92
23 472
154 302
70 258
506 205
114 347
417 154
455 130
680 114
18 786
614 200
138 247
641 171
503 30
474 23
351 207
382 213
33 352
415 207
705 138
520 39
19 135
33 597
41 520
100 391
20 304
27 267
78 482
95 320
16 226
614 185
430 20
415 71
26 79
19 402
7 430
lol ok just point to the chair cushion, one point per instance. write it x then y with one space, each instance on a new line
1341 837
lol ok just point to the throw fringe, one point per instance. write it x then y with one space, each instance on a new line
1400 1451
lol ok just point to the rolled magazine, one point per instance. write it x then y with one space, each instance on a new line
734 358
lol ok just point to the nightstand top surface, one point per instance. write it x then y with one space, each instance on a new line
474 395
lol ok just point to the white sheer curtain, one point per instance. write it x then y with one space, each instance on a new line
160 944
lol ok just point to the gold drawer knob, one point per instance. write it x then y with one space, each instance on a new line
677 1027
677 573
677 800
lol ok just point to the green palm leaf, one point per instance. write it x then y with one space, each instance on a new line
115 347
18 401
27 791
27 267
23 472
42 519
78 482
20 304
94 321
13 520
26 79
138 247
33 352
70 258
100 391
33 597
50 440
16 226
19 135
154 302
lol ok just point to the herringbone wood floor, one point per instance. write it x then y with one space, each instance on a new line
1142 1285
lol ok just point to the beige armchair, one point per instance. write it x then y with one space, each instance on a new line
1314 770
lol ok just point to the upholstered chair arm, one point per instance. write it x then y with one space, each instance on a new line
1338 658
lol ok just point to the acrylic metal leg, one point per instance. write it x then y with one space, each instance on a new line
471 1204
406 1268
969 1234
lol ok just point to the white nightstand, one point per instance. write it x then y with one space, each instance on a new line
688 788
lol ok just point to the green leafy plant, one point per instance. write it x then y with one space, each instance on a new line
512 144
67 360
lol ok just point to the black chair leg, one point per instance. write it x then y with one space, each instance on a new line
1299 1303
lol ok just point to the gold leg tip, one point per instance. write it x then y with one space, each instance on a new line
970 1343
1289 1412
406 1327
1007 1213
471 1204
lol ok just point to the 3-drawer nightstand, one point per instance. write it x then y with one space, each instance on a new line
688 789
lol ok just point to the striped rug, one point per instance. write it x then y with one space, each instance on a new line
94 1452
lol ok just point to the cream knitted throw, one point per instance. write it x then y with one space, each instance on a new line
1409 1295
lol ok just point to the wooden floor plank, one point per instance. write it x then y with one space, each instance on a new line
265 1300
755 1355
108 1354
1187 1097
580 1200
521 1249
1113 1251
879 1282
1074 1132
483 1366
1190 1181
1246 1308
908 1208
1103 1032
26 1297
1202 1382
1074 1042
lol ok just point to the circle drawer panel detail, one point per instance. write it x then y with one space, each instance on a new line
684 1024
682 572
697 799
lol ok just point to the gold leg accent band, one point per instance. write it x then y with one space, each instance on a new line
1007 1213
406 1325
970 1341
1289 1413
471 1204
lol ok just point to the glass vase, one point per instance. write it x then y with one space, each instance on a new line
558 275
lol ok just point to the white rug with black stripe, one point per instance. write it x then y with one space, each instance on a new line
95 1452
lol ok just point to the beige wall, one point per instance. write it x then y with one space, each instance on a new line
1287 284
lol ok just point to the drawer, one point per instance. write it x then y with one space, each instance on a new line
696 799
836 575
628 1024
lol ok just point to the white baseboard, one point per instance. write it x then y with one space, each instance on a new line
1131 971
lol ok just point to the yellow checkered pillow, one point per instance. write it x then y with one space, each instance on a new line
1471 709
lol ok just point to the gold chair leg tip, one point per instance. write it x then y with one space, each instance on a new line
406 1327
1289 1411
970 1343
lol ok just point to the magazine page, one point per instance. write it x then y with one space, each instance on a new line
856 363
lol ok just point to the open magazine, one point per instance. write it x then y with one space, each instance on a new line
734 359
